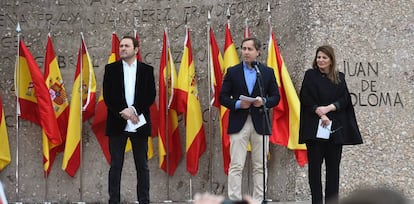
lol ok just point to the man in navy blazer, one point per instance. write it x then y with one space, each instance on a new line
129 91
246 119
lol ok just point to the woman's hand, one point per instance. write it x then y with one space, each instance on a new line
325 121
323 110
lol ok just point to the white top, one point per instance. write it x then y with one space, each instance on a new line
130 72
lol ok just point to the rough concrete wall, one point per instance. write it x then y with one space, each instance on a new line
372 42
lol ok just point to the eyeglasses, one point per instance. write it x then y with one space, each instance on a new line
336 130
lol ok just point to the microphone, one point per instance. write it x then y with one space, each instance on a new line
256 67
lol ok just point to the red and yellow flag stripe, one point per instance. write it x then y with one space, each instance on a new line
171 150
5 156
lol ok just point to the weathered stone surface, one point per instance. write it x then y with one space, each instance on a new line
372 40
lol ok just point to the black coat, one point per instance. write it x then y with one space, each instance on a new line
114 96
318 90
234 85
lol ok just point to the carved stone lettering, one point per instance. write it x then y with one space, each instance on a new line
370 94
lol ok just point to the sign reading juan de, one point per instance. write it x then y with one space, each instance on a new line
370 93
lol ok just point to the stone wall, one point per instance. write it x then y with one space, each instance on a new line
372 40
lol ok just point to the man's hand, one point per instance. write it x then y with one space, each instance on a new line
258 102
129 114
244 104
134 119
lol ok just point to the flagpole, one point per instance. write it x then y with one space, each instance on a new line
190 186
114 26
17 83
136 30
269 19
265 163
46 175
209 105
80 121
246 28
167 114
266 137
190 192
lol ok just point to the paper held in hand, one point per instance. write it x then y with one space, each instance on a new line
246 98
323 132
140 123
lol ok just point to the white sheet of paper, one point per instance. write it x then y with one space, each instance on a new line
140 123
246 98
323 132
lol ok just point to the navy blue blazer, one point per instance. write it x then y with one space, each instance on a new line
234 85
114 96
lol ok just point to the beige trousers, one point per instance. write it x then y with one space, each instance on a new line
238 151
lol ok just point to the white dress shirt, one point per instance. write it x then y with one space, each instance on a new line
130 72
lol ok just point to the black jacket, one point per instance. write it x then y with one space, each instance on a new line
114 96
318 90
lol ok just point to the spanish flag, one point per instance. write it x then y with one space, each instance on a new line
99 121
84 89
34 103
169 144
286 115
55 84
5 157
216 61
99 126
114 49
230 59
187 94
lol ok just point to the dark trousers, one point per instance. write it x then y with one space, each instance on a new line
117 151
317 152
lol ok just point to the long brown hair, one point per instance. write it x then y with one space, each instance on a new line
333 74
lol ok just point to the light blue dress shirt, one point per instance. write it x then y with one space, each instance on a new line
250 79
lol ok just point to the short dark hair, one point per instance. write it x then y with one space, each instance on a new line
134 40
256 42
